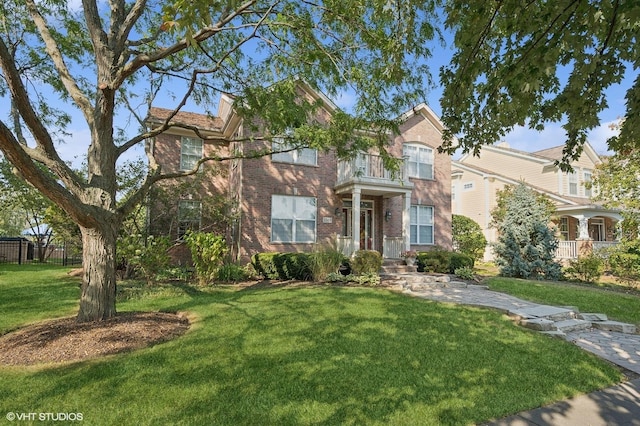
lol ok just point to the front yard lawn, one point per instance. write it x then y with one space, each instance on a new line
303 355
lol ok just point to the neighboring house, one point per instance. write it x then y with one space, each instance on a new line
476 179
289 201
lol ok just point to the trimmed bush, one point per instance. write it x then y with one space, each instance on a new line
282 266
460 260
436 260
366 262
467 236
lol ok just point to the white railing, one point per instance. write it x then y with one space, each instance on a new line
369 167
392 247
345 245
567 250
599 245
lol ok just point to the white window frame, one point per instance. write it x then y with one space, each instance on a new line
189 221
572 183
189 155
587 176
305 156
419 218
416 155
468 186
299 213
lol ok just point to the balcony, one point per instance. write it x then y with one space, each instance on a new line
369 173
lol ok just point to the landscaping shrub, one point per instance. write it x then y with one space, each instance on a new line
467 236
323 261
207 254
465 273
282 266
265 266
145 256
231 272
436 260
624 262
587 268
460 260
366 262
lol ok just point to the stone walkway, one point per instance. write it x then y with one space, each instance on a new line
622 349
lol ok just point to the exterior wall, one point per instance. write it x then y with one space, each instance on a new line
213 181
262 178
429 192
516 167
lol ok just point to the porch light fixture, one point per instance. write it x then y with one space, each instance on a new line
387 215
338 212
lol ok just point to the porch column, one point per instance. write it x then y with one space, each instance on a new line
583 228
406 221
355 219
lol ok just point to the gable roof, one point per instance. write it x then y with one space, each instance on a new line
547 155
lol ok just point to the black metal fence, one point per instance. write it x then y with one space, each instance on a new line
21 251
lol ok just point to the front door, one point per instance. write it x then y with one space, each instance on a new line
366 231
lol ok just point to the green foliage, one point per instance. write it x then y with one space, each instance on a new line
436 260
369 279
586 268
509 55
147 256
526 245
282 266
323 261
207 254
467 236
442 261
503 196
465 273
366 262
231 272
624 262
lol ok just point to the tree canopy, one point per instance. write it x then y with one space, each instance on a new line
510 60
112 60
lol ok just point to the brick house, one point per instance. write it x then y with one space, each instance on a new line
291 200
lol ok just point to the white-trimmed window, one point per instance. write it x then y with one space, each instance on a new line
468 186
189 216
421 222
298 156
564 228
573 183
419 160
190 152
293 219
586 178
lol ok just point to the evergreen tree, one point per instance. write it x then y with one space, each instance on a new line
526 245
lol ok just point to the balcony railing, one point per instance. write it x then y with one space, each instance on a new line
368 167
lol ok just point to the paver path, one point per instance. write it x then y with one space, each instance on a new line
620 348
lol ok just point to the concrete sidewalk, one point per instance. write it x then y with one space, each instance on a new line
618 405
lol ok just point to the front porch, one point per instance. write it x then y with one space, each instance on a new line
585 231
376 206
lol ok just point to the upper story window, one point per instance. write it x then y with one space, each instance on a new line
419 161
468 186
573 183
298 156
190 152
586 178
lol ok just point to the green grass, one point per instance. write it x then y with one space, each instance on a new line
30 293
616 305
314 355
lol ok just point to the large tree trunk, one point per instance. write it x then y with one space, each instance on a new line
98 300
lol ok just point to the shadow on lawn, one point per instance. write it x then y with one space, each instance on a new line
327 356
